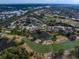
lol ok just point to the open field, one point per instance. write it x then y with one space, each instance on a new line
47 48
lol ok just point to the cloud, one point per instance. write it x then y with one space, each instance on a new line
66 1
26 1
41 1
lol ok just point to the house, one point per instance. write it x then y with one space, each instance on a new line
50 55
31 27
38 41
62 29
43 26
73 37
68 30
55 28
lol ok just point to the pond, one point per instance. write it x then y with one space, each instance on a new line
42 35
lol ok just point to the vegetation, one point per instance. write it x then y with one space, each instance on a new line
14 53
36 47
14 31
55 47
54 38
49 19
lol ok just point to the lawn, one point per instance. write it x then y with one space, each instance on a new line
56 47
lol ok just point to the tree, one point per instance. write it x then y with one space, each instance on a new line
77 51
14 31
14 53
25 32
54 38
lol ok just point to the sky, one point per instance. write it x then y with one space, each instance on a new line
40 1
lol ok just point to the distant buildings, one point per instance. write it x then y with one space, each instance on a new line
59 28
9 14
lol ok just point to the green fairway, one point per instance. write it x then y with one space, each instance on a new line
56 47
36 47
65 45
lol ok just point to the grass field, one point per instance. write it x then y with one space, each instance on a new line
56 47
36 47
